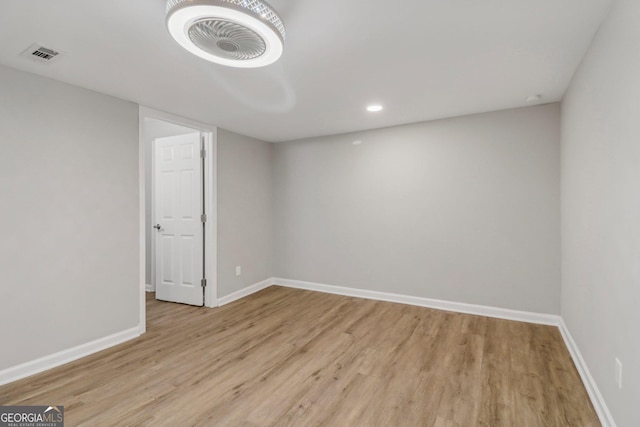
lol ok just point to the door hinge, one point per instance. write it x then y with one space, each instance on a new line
203 153
203 283
203 218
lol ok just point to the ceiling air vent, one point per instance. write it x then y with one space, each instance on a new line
40 53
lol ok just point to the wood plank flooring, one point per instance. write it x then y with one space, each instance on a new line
287 357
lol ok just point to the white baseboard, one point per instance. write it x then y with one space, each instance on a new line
245 292
459 307
149 287
589 383
65 356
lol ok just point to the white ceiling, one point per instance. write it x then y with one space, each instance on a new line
421 59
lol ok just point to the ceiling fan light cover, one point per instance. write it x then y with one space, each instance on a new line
236 33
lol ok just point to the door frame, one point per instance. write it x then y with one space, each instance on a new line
210 204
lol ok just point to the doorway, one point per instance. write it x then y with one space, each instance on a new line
178 200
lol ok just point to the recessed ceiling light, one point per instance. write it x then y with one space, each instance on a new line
374 108
534 98
237 33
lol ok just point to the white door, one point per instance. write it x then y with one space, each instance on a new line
179 227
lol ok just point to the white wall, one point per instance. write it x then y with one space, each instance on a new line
154 129
69 213
601 209
464 209
245 211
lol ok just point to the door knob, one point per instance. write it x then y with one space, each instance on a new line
157 227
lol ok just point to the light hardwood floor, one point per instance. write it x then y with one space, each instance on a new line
289 357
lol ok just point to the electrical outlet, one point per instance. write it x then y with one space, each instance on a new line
238 270
618 373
